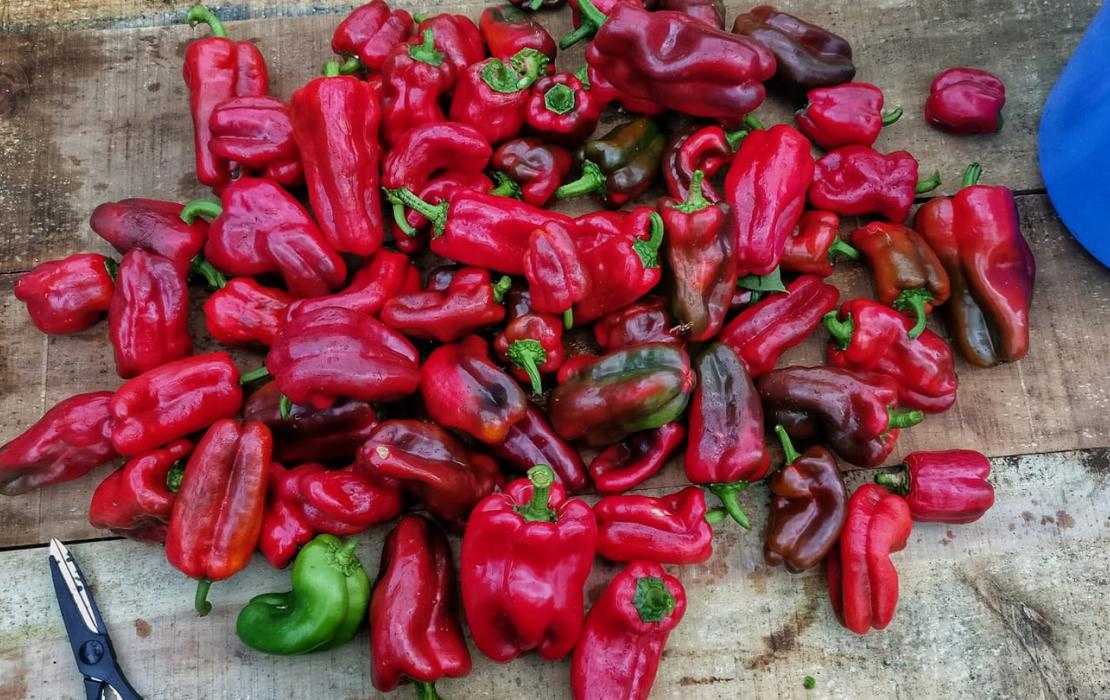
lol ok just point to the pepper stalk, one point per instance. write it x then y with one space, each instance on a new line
537 508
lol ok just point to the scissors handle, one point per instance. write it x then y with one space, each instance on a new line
94 689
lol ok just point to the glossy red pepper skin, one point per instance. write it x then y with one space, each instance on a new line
414 629
809 504
370 32
766 188
246 313
878 340
863 583
341 173
385 275
806 55
711 12
605 93
256 133
636 458
624 635
538 168
415 77
526 554
943 487
720 75
148 319
531 440
814 244
456 37
331 434
531 341
432 466
965 101
136 500
464 390
670 529
763 331
284 525
426 149
507 30
555 270
850 410
171 401
858 180
978 238
842 115
562 110
691 149
67 295
152 225
622 265
70 439
333 352
492 95
645 321
466 305
215 69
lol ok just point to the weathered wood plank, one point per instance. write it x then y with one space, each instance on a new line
1012 605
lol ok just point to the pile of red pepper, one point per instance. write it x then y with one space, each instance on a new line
651 323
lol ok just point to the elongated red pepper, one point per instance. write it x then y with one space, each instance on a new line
622 265
943 487
531 440
636 458
304 434
765 330
70 439
692 149
536 167
644 321
507 30
171 401
245 313
863 583
561 109
215 69
470 302
492 95
148 319
67 295
415 77
136 500
965 101
335 123
439 189
456 37
845 114
555 271
255 133
814 245
532 344
385 275
217 515
671 529
152 225
414 630
370 32
526 554
333 352
869 336
858 180
623 637
766 188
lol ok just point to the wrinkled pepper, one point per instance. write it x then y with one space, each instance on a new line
858 180
370 32
605 93
531 440
152 225
386 274
644 321
806 55
507 30
532 345
492 95
246 313
618 166
255 133
456 37
136 500
943 487
426 149
965 101
814 245
148 319
561 109
844 115
671 529
697 148
468 303
416 77
636 458
67 295
305 434
555 270
620 253
538 168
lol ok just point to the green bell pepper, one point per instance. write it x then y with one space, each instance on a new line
620 165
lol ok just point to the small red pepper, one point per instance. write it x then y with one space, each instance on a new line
869 336
622 265
671 529
334 352
70 440
492 95
136 500
370 32
152 225
765 330
556 273
507 30
415 77
148 319
844 115
536 167
414 629
470 302
806 55
624 635
636 458
858 180
284 525
692 149
217 515
966 101
814 245
456 37
526 554
171 401
645 321
561 109
531 440
439 189
67 295
943 487
532 344
863 583
246 313
256 133
385 275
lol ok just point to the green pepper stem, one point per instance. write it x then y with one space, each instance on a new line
516 74
112 267
728 493
591 20
648 250
208 208
254 375
734 138
897 481
972 175
841 247
695 199
501 288
174 476
420 17
200 601
200 13
652 600
534 5
199 266
787 444
351 66
506 186
752 122
928 185
331 69
528 354
583 75
715 515
592 180
426 52
436 213
903 419
568 319
285 407
841 331
770 282
892 116
536 509
560 99
426 690
915 301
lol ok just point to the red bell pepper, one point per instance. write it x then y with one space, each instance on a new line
385 275
333 352
671 529
562 110
215 69
414 630
256 134
636 458
456 37
507 30
621 262
966 101
692 149
766 188
464 390
644 321
136 500
69 441
370 32
806 55
470 302
438 190
623 637
583 27
432 466
492 95
555 270
814 245
335 123
245 313
217 515
415 77
858 180
148 319
765 330
869 336
605 93
943 487
537 168
844 115
171 401
152 225
67 295
284 525
532 344
863 583
531 440
526 554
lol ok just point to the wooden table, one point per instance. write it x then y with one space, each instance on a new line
92 108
